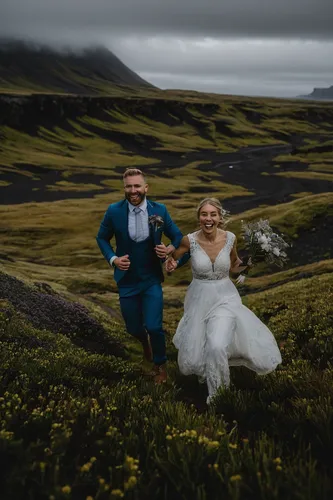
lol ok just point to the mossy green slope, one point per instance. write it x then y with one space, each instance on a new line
76 424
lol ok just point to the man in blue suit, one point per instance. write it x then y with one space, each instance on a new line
138 224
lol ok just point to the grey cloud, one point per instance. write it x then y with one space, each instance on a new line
80 19
216 57
270 85
213 64
253 47
255 67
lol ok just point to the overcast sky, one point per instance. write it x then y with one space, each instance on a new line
250 47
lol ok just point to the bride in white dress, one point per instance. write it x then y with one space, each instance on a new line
217 330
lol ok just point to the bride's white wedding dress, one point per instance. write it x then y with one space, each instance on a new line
217 330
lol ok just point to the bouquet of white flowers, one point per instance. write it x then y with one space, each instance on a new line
263 244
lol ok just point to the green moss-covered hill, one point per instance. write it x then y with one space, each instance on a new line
34 68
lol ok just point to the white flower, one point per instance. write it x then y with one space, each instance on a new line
266 247
276 251
263 239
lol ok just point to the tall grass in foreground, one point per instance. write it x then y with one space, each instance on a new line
82 425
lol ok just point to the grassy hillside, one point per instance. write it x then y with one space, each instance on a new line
79 417
78 424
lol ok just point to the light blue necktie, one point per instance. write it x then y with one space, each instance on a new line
139 229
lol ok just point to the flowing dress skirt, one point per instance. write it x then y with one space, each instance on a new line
218 331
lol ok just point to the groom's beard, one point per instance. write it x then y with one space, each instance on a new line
140 197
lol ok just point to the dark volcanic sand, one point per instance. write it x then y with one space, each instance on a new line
312 245
248 164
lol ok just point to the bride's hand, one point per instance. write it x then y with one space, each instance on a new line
170 265
236 267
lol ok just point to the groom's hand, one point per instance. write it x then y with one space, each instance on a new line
162 251
122 263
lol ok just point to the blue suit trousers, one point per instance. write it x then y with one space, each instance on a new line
143 313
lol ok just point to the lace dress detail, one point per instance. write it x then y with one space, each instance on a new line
202 266
217 330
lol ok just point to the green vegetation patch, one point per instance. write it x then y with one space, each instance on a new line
77 424
72 186
307 175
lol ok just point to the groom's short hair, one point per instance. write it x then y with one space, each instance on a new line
133 171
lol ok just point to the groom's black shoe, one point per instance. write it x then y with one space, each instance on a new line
147 352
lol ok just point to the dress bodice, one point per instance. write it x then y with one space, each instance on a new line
202 266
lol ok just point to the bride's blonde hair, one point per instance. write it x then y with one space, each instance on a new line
215 203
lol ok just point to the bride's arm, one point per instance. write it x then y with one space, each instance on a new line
235 261
182 249
172 260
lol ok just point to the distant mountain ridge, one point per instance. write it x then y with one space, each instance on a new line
320 93
43 69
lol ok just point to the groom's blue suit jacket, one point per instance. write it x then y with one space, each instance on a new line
115 223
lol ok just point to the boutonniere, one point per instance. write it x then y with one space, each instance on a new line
156 221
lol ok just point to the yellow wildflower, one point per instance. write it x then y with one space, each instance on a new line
278 467
211 445
117 493
86 467
203 440
66 489
191 433
132 481
233 446
277 460
236 477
